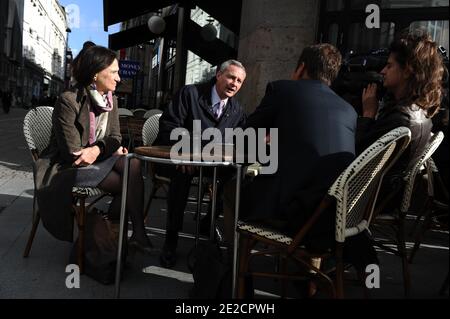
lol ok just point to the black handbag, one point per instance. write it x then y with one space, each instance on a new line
100 248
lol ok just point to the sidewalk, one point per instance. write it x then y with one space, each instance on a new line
42 274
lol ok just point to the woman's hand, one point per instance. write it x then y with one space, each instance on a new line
369 101
121 151
86 156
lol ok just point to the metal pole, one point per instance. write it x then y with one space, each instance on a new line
199 205
213 204
184 15
122 224
236 235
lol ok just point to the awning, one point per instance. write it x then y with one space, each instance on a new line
214 52
227 13
141 34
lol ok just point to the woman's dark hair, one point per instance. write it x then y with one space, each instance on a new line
416 52
92 61
75 61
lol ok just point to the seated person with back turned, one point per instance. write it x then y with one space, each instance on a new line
213 104
316 133
85 150
412 77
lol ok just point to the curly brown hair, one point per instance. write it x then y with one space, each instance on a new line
418 53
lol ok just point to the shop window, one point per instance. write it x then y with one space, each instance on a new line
361 39
333 33
394 4
438 30
335 5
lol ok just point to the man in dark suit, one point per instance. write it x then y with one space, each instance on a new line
316 142
213 104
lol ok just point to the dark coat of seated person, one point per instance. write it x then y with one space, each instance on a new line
214 105
85 150
316 142
412 78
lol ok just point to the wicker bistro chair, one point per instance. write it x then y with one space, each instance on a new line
396 220
434 208
152 112
135 126
139 113
124 115
124 112
149 133
354 193
37 129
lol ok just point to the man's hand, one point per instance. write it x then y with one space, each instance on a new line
369 101
86 156
121 151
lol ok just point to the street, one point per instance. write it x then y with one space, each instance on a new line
43 273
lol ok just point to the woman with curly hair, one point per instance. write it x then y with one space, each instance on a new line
412 78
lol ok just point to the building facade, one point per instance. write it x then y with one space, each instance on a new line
44 48
272 37
268 36
11 64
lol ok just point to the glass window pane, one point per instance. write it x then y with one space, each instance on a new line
437 29
361 4
333 34
335 5
198 70
392 4
361 39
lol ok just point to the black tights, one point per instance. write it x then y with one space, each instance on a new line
135 195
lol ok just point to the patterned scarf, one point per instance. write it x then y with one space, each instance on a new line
99 105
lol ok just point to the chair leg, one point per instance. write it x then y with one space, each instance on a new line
426 224
244 254
401 246
339 271
81 221
36 220
283 267
423 211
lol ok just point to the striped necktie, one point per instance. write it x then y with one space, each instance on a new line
217 109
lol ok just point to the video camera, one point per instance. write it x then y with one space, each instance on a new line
357 71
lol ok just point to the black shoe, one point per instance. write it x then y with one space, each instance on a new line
168 258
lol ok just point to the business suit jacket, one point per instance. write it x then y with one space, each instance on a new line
316 142
193 102
54 174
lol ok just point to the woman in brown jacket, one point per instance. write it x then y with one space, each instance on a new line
85 150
